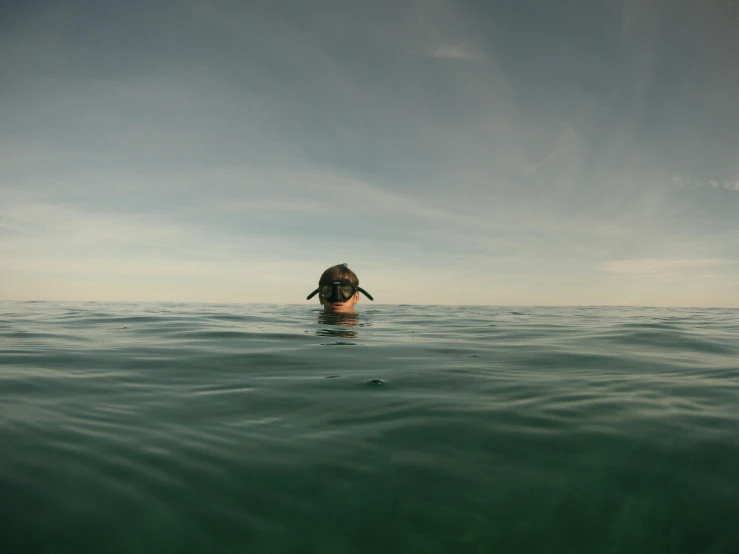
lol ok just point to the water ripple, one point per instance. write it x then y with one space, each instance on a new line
464 429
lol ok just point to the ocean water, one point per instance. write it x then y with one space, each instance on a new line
184 428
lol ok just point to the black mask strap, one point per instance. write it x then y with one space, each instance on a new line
368 295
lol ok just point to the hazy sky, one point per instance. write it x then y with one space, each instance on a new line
518 152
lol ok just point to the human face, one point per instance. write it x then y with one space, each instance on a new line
346 307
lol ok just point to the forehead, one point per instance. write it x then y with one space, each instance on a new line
328 279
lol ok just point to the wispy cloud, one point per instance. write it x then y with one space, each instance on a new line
461 51
725 184
657 267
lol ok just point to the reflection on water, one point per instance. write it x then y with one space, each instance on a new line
337 323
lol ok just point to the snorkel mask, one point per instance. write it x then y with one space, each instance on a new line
338 290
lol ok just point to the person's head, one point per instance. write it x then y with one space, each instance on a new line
338 290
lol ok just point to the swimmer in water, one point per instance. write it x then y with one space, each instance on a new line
338 290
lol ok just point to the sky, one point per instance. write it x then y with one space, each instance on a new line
499 152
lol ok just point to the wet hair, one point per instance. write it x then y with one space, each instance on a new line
340 271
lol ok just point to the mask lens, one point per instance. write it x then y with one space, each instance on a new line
326 291
346 291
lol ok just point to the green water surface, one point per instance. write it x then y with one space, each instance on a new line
173 428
